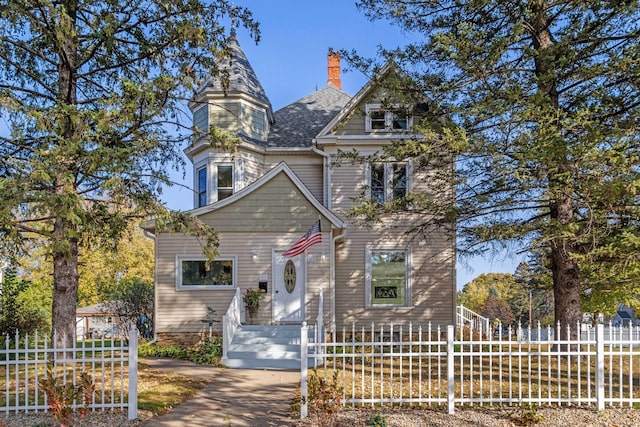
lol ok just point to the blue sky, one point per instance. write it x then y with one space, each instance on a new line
291 62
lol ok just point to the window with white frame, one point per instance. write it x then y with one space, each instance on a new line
224 180
381 118
198 273
388 180
201 186
388 278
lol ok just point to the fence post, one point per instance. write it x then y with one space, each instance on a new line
133 373
304 342
600 366
450 368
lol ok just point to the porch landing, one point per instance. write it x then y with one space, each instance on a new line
266 347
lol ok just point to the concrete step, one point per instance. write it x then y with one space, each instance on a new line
265 347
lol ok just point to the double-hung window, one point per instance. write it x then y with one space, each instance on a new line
194 272
388 278
380 118
201 185
388 180
224 180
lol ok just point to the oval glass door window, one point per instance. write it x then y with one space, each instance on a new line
289 276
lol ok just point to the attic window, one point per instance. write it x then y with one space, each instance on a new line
396 118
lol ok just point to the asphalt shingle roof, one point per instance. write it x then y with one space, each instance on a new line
298 123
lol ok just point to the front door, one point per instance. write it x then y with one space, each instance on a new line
289 277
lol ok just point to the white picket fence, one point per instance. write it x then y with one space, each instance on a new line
415 366
111 365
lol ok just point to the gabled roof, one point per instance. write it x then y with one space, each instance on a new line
357 99
624 315
102 308
280 168
298 123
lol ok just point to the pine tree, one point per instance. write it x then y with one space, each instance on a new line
94 94
543 103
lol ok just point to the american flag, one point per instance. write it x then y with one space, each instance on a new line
311 237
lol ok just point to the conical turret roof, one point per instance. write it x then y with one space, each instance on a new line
242 78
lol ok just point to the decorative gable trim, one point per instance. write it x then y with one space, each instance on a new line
359 97
280 168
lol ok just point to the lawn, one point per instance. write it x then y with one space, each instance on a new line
158 391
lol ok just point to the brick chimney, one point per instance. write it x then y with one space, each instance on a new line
333 66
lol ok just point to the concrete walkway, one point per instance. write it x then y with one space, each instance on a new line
233 397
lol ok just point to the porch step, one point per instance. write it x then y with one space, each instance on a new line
266 347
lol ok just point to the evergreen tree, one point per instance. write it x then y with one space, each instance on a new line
94 96
16 312
543 104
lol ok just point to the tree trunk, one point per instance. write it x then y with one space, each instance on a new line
566 275
566 278
64 235
65 288
566 292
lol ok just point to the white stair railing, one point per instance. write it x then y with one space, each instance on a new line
319 333
466 317
231 322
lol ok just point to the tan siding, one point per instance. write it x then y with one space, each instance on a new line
311 175
353 124
433 258
277 206
309 168
433 287
253 167
347 181
183 310
225 116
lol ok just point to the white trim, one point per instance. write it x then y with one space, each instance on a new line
305 282
198 257
196 184
353 102
388 177
388 118
367 139
215 180
211 96
284 168
369 274
238 174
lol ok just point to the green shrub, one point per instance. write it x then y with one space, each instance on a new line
155 350
208 352
377 421
527 415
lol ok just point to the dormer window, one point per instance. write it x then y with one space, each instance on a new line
396 118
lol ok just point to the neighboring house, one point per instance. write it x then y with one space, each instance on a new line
96 321
625 316
282 177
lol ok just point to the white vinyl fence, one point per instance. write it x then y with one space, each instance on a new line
415 366
111 365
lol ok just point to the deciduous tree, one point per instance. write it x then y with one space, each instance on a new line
546 99
93 94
